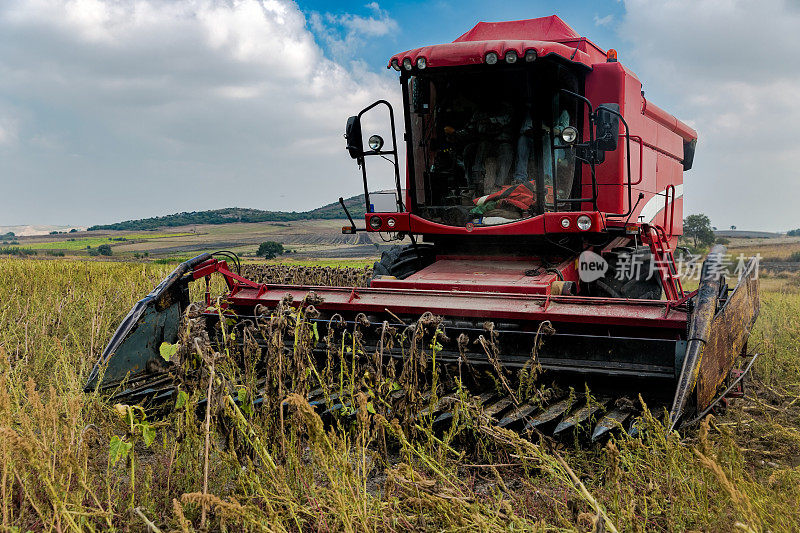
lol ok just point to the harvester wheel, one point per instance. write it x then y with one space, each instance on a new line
631 274
402 261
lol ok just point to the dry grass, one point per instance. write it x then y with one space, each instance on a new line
62 466
293 274
779 248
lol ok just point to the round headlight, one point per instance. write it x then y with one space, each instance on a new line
530 55
491 58
396 64
391 222
375 222
565 222
511 56
584 223
407 64
569 135
421 63
375 143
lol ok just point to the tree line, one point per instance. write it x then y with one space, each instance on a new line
237 214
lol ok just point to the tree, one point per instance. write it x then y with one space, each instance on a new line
270 249
698 228
104 249
733 227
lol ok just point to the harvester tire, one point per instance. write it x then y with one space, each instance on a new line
402 261
639 282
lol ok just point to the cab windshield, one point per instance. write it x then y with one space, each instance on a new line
485 145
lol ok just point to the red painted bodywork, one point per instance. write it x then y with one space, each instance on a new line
518 289
657 138
546 35
479 274
537 225
480 302
658 142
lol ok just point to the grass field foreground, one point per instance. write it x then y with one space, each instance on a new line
69 461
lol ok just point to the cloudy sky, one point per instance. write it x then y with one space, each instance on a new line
119 109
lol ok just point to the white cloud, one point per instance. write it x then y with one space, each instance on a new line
603 21
729 68
143 107
345 34
8 130
6 136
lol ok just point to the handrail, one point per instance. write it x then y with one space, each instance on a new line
670 188
638 139
675 291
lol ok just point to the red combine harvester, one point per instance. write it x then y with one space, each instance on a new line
542 188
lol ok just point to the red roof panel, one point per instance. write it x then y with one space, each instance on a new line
546 35
549 28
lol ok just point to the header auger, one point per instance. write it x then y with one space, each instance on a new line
542 204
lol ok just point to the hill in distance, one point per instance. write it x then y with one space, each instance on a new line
228 215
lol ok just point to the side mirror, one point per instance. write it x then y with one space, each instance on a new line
355 145
607 127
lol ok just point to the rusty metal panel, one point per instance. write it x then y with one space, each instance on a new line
730 330
152 320
700 322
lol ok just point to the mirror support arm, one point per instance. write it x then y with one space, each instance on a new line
392 152
627 160
353 227
588 104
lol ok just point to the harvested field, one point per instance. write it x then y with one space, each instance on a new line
303 238
778 249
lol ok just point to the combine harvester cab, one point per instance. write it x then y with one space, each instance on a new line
542 202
